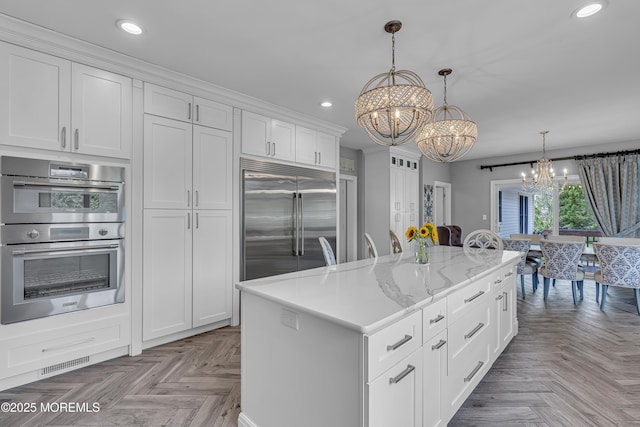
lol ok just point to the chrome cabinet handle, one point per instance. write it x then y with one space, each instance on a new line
63 137
316 158
319 158
474 297
197 220
499 297
439 345
71 344
474 372
506 301
274 149
188 198
197 198
498 281
188 221
77 139
509 274
189 111
401 375
474 331
436 319
400 343
197 113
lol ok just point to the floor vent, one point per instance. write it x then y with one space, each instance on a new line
64 366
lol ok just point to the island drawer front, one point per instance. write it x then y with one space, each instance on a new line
387 347
464 333
505 276
434 319
466 370
466 299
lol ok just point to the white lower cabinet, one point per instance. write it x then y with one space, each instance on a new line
504 310
395 397
435 373
186 270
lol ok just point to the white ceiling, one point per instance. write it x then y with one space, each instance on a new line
519 67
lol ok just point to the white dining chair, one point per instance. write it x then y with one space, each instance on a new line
329 256
485 239
396 246
373 252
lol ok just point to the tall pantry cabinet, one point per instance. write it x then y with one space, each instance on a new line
187 221
392 179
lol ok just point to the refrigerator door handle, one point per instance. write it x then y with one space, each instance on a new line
295 224
301 225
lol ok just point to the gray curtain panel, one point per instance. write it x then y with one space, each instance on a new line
612 187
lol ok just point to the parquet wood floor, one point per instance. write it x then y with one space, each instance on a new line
568 366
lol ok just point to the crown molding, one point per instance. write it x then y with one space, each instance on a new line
31 36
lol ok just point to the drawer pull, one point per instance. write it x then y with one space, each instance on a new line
474 331
436 319
401 375
439 345
400 343
71 344
498 281
474 372
499 297
471 298
509 274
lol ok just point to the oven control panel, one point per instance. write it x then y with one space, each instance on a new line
15 234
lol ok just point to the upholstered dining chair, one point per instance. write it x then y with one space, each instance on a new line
619 266
561 261
329 257
532 258
485 239
444 235
396 246
524 267
373 252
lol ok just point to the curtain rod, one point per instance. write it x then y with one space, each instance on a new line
579 157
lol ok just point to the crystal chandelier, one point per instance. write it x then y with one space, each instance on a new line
445 138
542 177
393 107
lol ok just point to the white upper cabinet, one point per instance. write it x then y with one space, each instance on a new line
212 168
53 104
262 136
315 148
165 102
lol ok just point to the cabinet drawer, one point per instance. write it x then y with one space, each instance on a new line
466 299
505 276
466 371
395 398
467 330
434 319
42 349
390 345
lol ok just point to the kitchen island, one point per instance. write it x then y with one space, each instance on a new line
376 342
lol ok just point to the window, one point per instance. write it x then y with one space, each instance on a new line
524 214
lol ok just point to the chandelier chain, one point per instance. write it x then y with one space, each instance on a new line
393 52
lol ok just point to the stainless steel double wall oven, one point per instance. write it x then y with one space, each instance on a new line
62 237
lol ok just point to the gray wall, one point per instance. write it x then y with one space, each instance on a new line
358 157
471 186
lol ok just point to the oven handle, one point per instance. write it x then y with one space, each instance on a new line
84 248
65 185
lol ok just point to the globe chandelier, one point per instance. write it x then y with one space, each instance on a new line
393 107
543 178
450 134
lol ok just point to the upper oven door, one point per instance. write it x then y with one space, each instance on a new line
49 200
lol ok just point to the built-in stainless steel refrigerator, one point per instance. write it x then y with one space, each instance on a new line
285 210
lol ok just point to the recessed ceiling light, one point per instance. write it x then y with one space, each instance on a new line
129 26
590 9
326 104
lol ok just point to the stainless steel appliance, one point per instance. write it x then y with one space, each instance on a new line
285 210
62 237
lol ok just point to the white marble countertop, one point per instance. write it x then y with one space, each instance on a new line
367 295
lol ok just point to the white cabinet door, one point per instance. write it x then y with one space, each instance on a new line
166 272
35 99
212 259
101 112
165 102
283 145
212 168
326 146
435 373
411 191
255 134
212 114
306 151
504 311
167 163
397 190
395 397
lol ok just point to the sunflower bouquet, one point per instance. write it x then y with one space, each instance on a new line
425 236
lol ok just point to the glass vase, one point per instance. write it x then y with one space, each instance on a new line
422 252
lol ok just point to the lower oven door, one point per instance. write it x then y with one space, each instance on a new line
41 280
